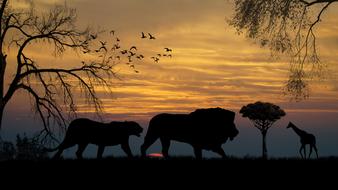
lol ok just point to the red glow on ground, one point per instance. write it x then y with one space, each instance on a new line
155 155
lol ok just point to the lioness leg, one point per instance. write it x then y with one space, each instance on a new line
125 147
165 147
81 148
220 151
100 152
198 153
64 145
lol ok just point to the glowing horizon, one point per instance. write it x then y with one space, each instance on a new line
211 66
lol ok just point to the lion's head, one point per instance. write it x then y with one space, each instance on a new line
232 131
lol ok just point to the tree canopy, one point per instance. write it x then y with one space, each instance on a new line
262 114
285 27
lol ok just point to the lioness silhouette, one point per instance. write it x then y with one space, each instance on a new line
83 131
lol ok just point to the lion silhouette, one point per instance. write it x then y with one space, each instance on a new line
83 131
202 129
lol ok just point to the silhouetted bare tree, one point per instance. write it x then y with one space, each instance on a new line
285 26
52 87
263 115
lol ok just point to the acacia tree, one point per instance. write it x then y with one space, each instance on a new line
263 115
285 26
52 89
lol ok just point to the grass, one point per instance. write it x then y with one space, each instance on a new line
175 170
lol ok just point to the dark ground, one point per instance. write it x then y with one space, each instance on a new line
176 172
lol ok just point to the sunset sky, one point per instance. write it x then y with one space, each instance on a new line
211 67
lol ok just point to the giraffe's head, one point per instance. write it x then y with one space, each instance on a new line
289 125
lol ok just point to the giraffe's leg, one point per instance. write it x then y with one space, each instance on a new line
305 152
100 152
300 151
310 150
316 150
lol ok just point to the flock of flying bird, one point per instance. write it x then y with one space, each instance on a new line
130 54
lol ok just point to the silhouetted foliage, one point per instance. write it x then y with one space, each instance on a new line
263 115
7 150
29 148
285 26
202 129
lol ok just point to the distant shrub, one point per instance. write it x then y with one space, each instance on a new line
29 148
7 150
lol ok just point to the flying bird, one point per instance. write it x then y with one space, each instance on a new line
102 47
168 49
132 53
86 51
124 52
140 57
103 43
156 59
133 47
151 37
116 46
93 36
143 35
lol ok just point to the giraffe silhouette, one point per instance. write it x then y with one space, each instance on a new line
305 138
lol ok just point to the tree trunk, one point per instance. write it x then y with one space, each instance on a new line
264 150
3 64
1 114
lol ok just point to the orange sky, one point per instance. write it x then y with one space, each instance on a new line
211 67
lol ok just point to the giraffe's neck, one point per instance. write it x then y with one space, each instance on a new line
298 131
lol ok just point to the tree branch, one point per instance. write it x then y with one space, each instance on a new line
308 4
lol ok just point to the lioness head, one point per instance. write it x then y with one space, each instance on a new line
134 128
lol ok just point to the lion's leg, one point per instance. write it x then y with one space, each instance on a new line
100 152
148 141
165 147
198 153
125 147
220 151
81 148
